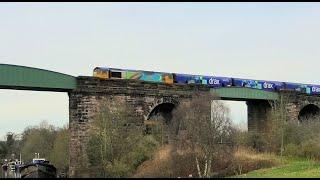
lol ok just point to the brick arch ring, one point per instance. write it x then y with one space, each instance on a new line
308 108
159 101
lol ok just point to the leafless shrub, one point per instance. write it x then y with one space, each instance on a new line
203 130
115 141
302 139
292 138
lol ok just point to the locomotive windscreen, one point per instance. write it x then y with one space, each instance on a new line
115 74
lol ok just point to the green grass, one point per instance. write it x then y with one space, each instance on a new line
293 168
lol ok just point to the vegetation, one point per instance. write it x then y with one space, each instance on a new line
10 147
199 142
293 168
59 154
294 143
195 142
3 149
38 139
302 140
207 132
117 145
284 137
49 141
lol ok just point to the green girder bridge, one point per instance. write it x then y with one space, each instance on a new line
28 78
242 93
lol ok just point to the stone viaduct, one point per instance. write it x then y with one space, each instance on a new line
143 98
147 98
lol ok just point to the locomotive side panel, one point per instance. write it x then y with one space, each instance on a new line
117 73
272 85
181 78
247 83
150 76
303 88
315 89
258 84
101 72
214 81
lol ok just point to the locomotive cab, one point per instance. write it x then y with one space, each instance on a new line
117 73
101 72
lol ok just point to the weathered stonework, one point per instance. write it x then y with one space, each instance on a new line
142 98
298 102
139 96
258 110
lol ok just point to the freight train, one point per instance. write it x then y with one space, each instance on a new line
211 81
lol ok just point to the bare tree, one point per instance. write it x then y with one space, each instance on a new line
113 135
277 121
207 129
59 153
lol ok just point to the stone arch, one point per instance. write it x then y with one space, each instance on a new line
159 105
163 111
308 111
159 118
159 115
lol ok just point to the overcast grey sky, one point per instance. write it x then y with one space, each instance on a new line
273 41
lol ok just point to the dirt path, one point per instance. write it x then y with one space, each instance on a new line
157 165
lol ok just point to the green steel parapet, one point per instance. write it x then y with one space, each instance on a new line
28 78
240 93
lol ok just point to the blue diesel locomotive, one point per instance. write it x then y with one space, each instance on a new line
211 81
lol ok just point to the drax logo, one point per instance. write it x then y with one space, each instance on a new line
214 81
267 85
315 89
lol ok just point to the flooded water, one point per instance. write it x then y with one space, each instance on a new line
9 174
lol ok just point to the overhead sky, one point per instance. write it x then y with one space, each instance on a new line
271 41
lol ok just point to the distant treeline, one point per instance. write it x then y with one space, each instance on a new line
49 141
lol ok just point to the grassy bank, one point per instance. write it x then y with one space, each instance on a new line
291 168
166 163
248 163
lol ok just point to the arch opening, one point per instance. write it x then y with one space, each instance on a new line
159 120
162 112
308 112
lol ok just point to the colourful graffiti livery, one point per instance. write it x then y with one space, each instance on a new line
211 81
149 76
